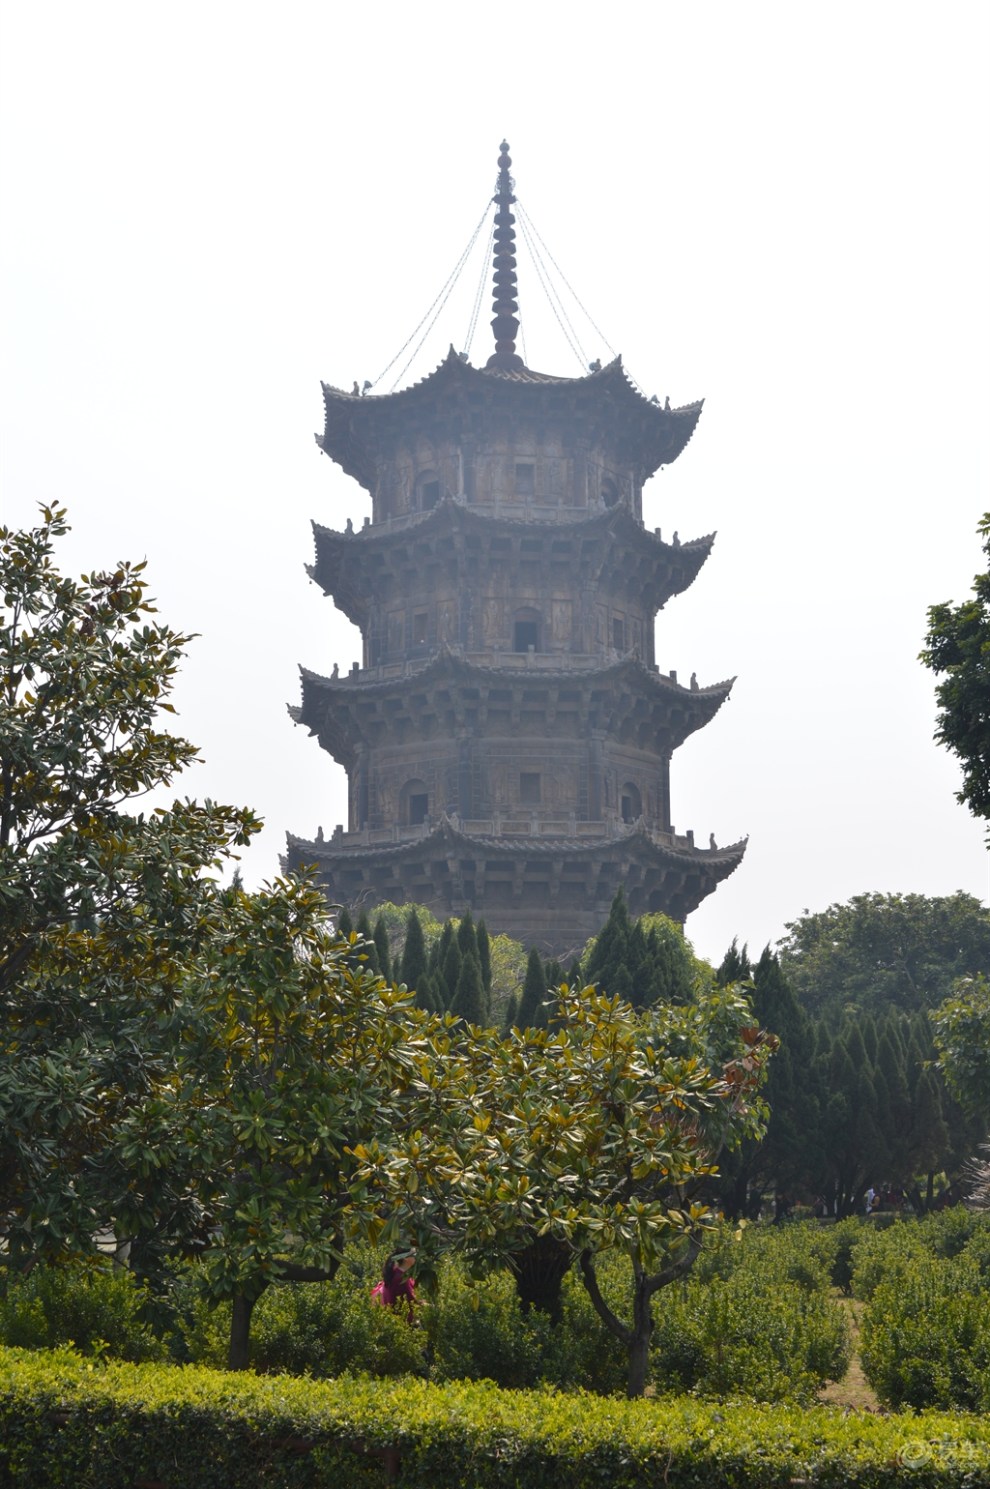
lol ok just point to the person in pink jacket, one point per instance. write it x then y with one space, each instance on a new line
397 1287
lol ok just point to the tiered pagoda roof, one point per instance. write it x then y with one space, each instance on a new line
462 401
609 548
553 883
449 693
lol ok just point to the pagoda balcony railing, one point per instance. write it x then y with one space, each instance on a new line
511 828
503 661
508 507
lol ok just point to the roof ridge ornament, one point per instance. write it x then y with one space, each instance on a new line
505 324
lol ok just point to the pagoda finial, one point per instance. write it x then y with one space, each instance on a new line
505 325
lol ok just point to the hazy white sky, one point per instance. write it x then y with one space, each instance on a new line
783 208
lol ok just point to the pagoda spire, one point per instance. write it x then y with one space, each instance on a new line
505 324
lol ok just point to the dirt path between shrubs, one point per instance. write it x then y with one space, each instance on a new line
853 1390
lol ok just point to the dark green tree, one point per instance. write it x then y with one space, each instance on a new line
957 651
788 1159
644 962
468 1001
880 950
414 953
532 1012
369 951
962 1037
735 965
383 948
467 937
485 957
608 950
449 970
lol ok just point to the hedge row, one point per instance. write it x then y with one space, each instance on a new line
66 1421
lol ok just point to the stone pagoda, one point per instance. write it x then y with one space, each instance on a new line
508 735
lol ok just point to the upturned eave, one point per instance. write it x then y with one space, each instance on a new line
357 425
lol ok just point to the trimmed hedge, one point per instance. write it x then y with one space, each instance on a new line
66 1421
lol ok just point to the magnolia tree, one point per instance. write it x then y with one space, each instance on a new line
599 1135
291 1057
101 905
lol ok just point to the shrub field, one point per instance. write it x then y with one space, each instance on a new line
756 1329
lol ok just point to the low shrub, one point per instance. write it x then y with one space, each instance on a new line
926 1335
96 1306
748 1336
65 1423
478 1331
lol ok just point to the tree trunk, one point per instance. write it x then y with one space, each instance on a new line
539 1270
238 1355
639 1342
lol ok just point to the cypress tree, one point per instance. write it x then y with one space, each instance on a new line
468 1000
368 949
852 1038
609 949
620 983
413 954
895 1103
735 965
383 949
345 924
930 1133
640 966
440 949
450 972
467 939
532 1014
671 967
484 956
511 1018
426 995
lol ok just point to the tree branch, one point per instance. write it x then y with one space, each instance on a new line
611 1321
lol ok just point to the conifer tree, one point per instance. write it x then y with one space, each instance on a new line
369 950
467 939
345 925
735 965
383 949
468 1000
484 957
413 954
532 1014
610 945
670 978
441 946
427 997
930 1132
895 1102
450 972
620 984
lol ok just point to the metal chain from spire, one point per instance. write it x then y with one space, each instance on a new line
436 307
528 227
505 324
553 298
479 296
